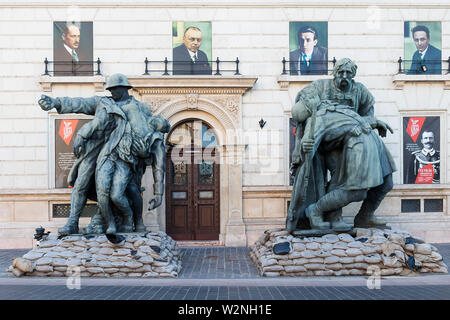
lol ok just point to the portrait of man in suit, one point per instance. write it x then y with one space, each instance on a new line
72 49
187 57
427 58
310 58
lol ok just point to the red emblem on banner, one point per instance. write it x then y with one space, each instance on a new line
414 127
425 174
67 129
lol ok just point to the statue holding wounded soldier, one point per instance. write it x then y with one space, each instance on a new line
113 151
338 156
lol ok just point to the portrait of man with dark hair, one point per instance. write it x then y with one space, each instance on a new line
187 57
427 58
310 58
72 49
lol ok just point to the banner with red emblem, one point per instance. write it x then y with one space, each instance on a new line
421 150
65 132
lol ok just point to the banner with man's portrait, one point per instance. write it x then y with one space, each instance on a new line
73 47
421 150
423 47
192 48
308 48
65 133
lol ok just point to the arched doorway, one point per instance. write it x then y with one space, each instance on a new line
192 182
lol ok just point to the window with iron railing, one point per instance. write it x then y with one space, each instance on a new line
72 68
427 67
166 67
304 68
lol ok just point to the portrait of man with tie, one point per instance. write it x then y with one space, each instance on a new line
308 53
72 49
187 56
422 158
427 56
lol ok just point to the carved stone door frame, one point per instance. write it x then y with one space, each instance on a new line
218 102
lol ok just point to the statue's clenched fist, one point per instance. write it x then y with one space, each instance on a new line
155 202
79 146
47 103
307 145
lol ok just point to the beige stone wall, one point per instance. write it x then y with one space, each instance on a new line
255 31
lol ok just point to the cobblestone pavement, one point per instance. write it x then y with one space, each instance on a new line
223 273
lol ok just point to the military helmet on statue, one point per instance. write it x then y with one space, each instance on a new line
117 80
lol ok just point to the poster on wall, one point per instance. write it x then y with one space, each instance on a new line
192 47
308 48
65 132
423 45
72 48
421 155
291 147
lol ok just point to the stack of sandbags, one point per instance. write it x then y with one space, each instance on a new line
372 251
149 255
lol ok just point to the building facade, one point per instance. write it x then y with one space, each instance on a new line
231 181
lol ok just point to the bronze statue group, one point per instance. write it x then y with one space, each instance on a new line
113 151
338 156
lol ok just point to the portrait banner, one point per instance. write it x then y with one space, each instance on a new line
421 150
65 132
192 48
73 48
308 48
423 45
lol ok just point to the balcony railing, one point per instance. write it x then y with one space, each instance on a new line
301 68
72 68
423 66
166 67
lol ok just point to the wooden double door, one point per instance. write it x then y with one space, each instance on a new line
192 193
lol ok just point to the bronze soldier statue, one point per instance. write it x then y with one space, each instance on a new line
107 147
335 133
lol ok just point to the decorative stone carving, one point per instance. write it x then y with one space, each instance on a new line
156 102
192 100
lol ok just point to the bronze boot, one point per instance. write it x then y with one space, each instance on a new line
368 220
71 227
315 218
337 223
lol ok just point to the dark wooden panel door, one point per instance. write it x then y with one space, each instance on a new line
206 197
179 196
192 194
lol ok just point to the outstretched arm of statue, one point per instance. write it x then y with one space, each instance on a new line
47 103
158 166
78 105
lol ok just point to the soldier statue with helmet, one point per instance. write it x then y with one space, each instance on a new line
112 151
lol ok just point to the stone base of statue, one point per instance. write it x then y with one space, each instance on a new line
366 252
131 255
321 232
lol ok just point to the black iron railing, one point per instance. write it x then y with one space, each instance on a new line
214 67
314 67
72 68
423 66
